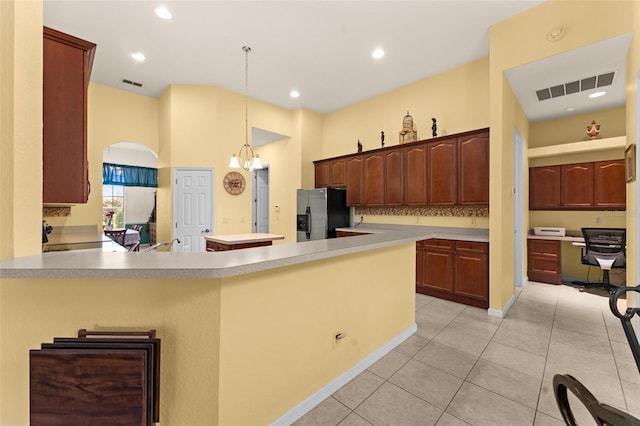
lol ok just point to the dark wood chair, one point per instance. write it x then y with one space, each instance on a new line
117 235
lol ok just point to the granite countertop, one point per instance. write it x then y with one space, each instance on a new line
100 264
243 238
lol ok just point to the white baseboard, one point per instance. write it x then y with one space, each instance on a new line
525 282
308 404
500 313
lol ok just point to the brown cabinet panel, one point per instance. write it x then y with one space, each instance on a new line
453 270
322 174
442 173
67 64
394 177
374 179
543 261
354 170
471 275
438 270
577 185
610 190
415 175
473 169
337 173
544 187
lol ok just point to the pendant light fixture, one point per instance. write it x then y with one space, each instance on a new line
246 159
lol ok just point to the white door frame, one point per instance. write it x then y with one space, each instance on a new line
518 210
174 224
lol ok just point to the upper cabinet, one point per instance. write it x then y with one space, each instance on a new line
67 62
330 173
445 171
582 186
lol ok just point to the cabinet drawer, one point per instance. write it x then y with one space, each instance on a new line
546 248
472 246
436 243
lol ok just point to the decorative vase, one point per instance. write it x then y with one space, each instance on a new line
108 227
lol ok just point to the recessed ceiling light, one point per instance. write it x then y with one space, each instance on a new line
163 12
597 94
569 109
378 53
294 94
138 57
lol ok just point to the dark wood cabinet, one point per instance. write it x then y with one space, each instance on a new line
544 187
543 261
415 175
577 185
342 234
473 169
67 62
442 172
445 171
394 177
609 186
596 185
354 171
453 270
330 173
218 246
374 179
322 172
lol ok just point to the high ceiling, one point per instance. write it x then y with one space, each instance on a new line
321 48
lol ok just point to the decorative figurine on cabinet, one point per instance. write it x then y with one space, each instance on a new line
434 128
408 132
382 138
359 146
593 129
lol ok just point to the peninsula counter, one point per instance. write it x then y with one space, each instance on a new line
248 328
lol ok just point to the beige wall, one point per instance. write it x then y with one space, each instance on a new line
20 128
517 41
227 344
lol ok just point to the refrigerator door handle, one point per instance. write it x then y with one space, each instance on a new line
308 213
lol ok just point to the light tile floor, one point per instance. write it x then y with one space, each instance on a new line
463 367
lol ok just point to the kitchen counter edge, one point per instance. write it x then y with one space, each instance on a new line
154 265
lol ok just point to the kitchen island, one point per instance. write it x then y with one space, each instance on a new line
240 241
247 328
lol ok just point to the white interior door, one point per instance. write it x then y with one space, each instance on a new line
193 208
261 200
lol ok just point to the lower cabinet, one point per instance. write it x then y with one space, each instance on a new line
543 261
453 270
217 246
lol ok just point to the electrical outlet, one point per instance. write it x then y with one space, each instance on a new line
598 219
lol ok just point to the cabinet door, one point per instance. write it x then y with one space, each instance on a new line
394 177
337 173
610 190
441 173
374 179
471 276
473 169
415 175
544 188
66 67
322 174
577 185
438 270
353 166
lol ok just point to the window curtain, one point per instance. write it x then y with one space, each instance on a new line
120 174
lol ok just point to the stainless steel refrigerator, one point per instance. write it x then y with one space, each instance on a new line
320 212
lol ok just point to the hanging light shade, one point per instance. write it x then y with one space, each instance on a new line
246 159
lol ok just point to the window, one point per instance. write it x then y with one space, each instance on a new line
113 201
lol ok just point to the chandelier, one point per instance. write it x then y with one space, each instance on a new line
246 159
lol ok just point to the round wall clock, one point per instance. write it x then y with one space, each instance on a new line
234 183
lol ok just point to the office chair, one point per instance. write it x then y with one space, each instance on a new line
605 248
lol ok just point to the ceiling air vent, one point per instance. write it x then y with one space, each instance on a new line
133 83
575 86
